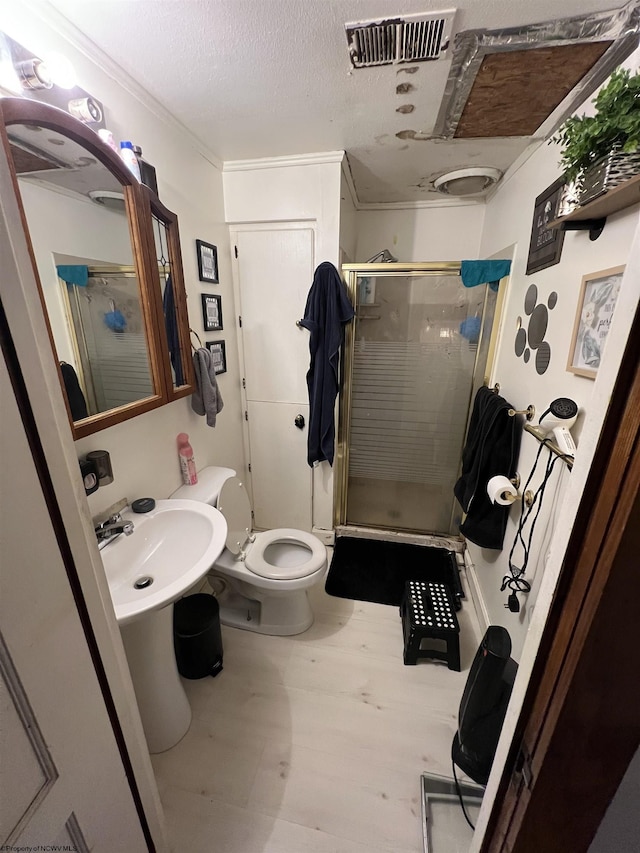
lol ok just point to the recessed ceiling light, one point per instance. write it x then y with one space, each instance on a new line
464 182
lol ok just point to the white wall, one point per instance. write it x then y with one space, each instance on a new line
300 189
447 232
143 450
348 220
507 223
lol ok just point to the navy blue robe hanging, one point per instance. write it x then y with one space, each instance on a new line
327 310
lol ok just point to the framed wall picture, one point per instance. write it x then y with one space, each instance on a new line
207 261
596 304
212 312
219 355
545 247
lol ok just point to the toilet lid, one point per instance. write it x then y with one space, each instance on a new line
233 503
286 554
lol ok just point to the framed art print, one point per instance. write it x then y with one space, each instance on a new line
218 356
207 261
212 312
596 304
545 246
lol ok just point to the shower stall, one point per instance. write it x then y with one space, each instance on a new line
419 347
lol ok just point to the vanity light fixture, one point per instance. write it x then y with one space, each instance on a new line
471 181
55 70
34 74
61 70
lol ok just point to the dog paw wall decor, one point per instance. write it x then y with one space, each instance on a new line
532 338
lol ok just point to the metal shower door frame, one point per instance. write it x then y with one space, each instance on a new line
350 274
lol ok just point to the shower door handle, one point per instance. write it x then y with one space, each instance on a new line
299 421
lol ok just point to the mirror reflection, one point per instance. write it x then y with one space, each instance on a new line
76 215
166 277
107 335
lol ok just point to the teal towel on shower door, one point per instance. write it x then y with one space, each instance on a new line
474 273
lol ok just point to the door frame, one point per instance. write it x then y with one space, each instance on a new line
546 797
350 273
234 231
40 397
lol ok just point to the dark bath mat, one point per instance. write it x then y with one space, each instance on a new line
373 570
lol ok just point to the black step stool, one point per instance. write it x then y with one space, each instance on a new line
427 613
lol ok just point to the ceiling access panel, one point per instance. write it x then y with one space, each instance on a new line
526 81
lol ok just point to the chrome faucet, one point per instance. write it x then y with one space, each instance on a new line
111 529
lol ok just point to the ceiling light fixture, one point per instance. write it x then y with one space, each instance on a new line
473 180
107 198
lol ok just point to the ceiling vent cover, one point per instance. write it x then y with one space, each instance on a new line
414 38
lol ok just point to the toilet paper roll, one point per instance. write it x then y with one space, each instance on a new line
501 491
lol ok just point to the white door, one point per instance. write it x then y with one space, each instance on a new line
275 272
63 780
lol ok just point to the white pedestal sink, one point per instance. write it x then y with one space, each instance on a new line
171 549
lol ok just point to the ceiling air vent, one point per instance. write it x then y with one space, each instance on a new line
414 38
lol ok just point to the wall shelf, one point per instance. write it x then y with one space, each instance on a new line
592 216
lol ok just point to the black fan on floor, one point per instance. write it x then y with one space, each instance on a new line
484 705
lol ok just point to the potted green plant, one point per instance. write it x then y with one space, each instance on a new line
603 150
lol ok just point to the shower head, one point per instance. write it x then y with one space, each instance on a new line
383 257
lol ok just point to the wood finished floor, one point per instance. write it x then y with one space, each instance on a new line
314 743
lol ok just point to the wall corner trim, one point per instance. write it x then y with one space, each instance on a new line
418 204
314 159
476 594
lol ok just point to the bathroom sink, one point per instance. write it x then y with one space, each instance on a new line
171 549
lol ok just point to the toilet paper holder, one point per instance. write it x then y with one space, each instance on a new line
528 495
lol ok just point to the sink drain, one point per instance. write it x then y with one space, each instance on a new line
143 583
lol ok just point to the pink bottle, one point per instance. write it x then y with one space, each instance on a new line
187 462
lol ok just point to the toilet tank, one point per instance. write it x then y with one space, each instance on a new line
207 489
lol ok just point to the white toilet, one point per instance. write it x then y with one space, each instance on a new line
260 579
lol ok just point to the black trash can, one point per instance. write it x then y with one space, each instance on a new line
197 638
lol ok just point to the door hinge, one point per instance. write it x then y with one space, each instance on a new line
523 766
235 248
240 321
249 467
246 415
244 382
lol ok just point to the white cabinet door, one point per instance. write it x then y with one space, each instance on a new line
63 780
275 272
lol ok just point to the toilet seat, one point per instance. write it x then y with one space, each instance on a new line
259 564
302 554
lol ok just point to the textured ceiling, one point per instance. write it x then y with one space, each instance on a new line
266 78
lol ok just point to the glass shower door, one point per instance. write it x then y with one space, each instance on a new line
413 354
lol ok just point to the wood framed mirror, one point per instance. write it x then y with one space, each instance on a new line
112 293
